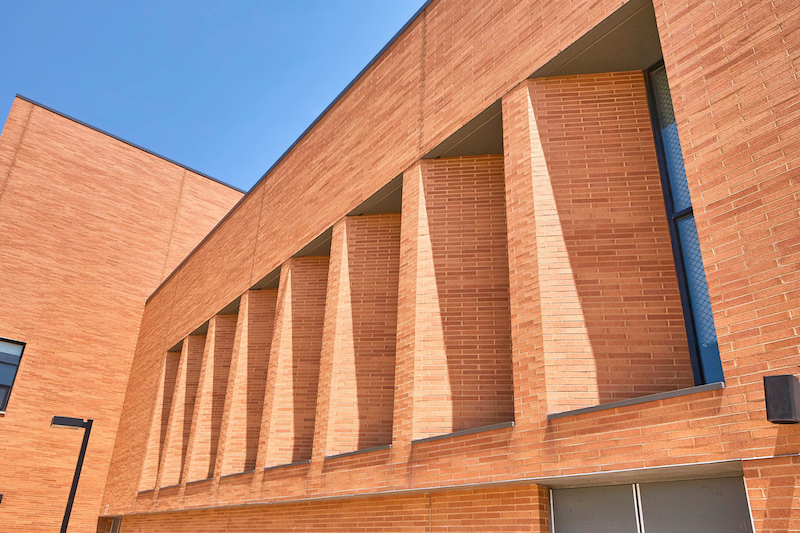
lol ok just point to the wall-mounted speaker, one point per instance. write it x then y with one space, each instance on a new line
782 394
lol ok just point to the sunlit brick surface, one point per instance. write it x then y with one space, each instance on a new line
591 312
88 228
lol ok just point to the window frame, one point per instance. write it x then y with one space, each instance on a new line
4 408
673 218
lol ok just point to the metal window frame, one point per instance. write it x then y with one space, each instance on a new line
674 217
10 388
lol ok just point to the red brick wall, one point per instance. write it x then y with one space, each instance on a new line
462 372
244 398
420 91
359 348
210 401
773 488
179 422
738 126
518 509
738 123
261 329
291 394
730 69
611 315
88 227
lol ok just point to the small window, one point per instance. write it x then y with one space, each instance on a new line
686 244
10 355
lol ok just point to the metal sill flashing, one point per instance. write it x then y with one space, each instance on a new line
198 481
641 399
702 470
359 452
296 463
481 429
237 474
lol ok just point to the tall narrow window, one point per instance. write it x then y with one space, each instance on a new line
10 355
689 263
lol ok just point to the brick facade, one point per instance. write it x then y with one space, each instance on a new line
529 283
89 226
512 288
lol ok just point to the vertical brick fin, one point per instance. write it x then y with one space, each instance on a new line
519 134
570 371
233 430
281 335
210 402
245 396
462 369
360 335
373 252
433 405
294 362
169 472
223 351
403 409
611 313
180 417
158 426
260 330
198 455
337 348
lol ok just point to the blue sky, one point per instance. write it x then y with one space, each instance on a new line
222 87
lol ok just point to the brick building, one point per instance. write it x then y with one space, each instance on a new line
89 226
527 273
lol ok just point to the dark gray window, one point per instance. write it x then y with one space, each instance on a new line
595 509
10 355
700 505
686 246
707 505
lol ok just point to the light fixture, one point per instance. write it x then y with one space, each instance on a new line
73 423
782 396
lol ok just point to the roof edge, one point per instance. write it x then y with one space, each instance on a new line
129 143
296 142
342 93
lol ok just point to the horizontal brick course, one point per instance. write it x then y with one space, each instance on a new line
592 300
89 226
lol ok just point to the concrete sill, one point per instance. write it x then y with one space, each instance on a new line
641 399
359 452
303 462
481 429
2 413
171 486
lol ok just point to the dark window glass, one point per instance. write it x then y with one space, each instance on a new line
699 300
689 262
7 374
10 356
595 509
693 506
673 156
707 505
